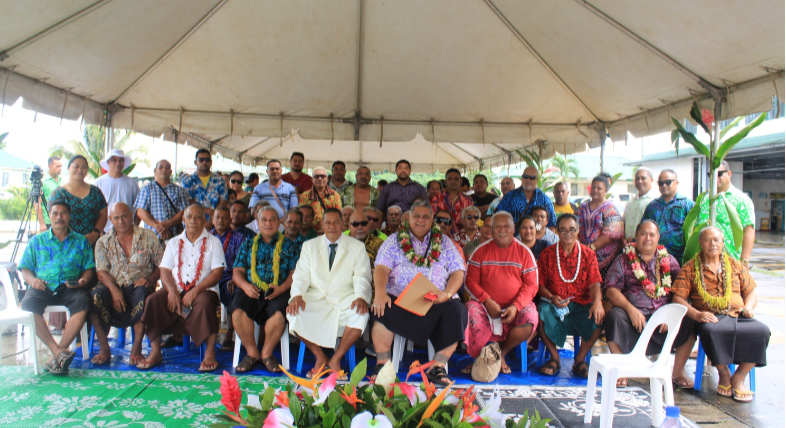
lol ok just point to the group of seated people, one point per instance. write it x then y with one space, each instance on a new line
328 289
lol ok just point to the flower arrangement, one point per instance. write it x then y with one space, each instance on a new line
385 403
662 273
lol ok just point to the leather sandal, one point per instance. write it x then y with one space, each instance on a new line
247 364
438 376
581 369
552 365
271 364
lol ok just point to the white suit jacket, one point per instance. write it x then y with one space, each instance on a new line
328 292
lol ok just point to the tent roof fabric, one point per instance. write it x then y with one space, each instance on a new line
443 83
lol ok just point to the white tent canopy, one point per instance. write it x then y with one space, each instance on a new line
442 83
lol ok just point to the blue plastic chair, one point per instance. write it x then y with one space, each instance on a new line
576 346
187 346
700 359
350 356
521 352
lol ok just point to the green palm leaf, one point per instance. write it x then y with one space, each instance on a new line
729 144
691 139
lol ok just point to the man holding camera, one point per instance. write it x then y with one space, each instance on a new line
58 266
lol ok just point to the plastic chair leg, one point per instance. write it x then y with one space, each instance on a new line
121 337
752 378
300 355
700 358
284 347
589 400
351 357
186 343
92 338
541 353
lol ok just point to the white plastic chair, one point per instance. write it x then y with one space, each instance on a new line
12 315
399 343
84 333
284 346
636 364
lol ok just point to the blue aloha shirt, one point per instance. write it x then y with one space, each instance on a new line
290 254
515 203
209 196
670 217
56 262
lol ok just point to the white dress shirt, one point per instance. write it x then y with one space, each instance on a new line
213 259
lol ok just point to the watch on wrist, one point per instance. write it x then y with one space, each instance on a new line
745 262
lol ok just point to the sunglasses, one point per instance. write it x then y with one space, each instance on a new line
572 230
665 182
473 217
373 218
320 177
204 160
720 173
529 177
443 220
236 181
359 223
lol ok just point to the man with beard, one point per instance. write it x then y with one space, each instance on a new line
301 181
338 182
401 192
320 197
519 202
360 195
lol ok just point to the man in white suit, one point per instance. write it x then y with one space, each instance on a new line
331 290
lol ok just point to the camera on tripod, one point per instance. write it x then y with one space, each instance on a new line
35 180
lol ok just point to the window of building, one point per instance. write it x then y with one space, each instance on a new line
6 177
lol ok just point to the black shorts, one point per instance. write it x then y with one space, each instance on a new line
75 299
259 310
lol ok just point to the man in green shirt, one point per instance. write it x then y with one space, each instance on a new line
58 266
49 183
745 211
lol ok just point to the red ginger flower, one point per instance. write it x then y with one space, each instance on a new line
230 393
707 117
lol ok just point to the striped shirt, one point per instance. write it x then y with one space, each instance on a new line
508 276
403 196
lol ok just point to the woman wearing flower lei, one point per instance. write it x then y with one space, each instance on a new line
419 248
190 270
722 300
263 276
638 283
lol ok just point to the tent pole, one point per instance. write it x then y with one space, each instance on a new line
176 144
602 135
713 152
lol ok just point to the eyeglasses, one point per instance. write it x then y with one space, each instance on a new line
373 219
204 160
572 230
320 177
665 182
529 177
720 173
359 223
473 217
443 220
236 181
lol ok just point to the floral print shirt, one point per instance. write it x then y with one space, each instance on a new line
146 255
209 196
331 200
290 254
621 277
56 262
84 211
670 216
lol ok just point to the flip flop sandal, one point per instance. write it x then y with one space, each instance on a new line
205 368
311 373
134 360
342 378
678 383
438 376
377 369
581 369
504 369
247 364
100 360
271 365
468 369
742 396
147 365
552 364
727 392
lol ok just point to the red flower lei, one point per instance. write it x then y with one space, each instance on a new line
226 243
195 281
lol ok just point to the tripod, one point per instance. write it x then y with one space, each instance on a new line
30 207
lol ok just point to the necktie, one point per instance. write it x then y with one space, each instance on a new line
332 255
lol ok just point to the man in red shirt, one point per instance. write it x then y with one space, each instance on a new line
503 278
452 200
296 177
570 282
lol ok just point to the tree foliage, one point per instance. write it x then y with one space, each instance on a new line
93 148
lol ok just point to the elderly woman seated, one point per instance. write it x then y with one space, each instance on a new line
428 252
722 301
471 230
